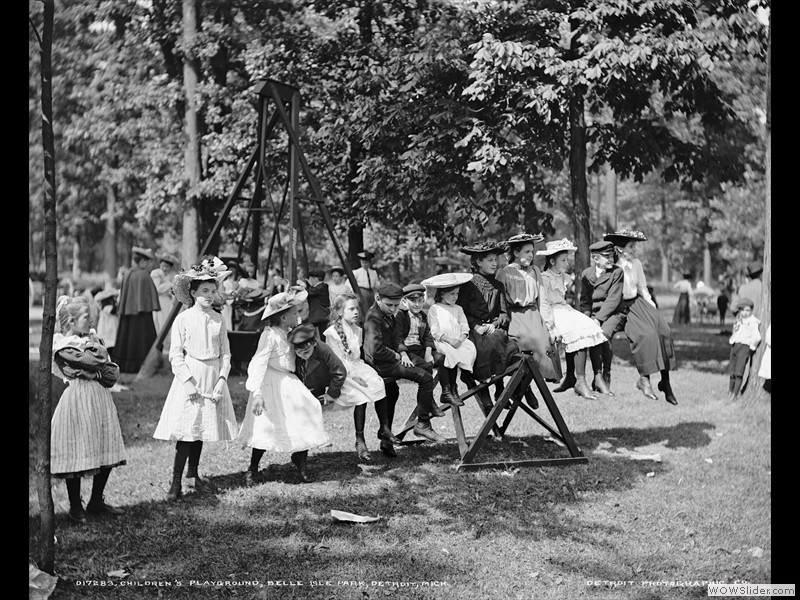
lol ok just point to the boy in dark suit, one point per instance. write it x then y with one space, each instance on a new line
381 353
601 299
316 365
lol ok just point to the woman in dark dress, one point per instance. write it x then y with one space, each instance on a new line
484 303
682 314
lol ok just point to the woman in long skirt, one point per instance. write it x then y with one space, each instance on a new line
683 314
522 282
648 332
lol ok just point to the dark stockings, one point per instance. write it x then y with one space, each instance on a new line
74 493
98 486
580 362
195 448
359 418
255 458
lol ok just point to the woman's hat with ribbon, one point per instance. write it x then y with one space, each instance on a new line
447 280
554 247
525 238
210 268
282 301
168 258
623 236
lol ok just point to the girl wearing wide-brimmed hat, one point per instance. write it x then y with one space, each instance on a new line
522 282
282 414
198 407
648 332
577 331
450 332
484 302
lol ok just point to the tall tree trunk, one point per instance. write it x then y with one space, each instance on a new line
76 256
191 77
110 235
612 195
707 274
355 233
45 378
577 172
755 391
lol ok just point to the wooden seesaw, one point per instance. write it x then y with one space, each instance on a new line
522 373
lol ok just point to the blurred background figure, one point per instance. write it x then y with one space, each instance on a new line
162 277
682 314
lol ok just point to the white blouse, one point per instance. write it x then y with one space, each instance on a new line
634 282
274 351
352 333
201 334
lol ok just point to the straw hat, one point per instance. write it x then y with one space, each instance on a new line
168 258
525 238
484 248
447 280
143 252
283 301
554 247
623 236
210 268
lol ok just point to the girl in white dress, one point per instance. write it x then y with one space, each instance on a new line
363 384
198 407
85 436
577 331
282 414
450 332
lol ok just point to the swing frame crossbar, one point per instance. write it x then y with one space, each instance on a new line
522 374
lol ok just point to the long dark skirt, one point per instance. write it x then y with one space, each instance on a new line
528 329
651 340
494 352
135 337
682 314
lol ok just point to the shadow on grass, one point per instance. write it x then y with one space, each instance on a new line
681 435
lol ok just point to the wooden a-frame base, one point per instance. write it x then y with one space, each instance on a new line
522 374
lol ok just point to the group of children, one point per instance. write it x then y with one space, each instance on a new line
478 324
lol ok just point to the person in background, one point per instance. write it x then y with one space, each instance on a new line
107 320
86 438
162 277
381 353
198 407
651 340
367 278
338 283
683 313
138 299
723 300
744 340
319 301
752 288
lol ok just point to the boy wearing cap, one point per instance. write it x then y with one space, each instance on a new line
743 341
381 353
138 298
413 334
316 365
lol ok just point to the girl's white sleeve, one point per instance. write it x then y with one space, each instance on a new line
176 354
433 321
462 321
257 368
224 351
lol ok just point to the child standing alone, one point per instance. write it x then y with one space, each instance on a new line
743 341
86 439
450 332
198 407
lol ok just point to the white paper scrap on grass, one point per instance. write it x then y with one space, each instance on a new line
341 515
653 457
40 584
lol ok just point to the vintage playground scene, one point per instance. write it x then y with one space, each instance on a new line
448 299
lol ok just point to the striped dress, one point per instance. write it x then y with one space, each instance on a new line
84 433
199 351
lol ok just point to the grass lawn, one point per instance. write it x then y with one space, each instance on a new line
615 527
